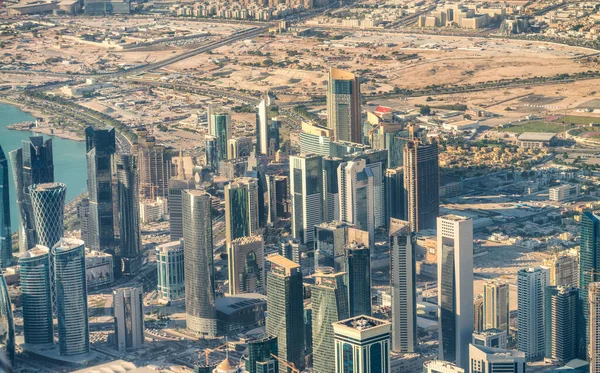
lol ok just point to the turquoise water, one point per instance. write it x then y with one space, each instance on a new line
69 157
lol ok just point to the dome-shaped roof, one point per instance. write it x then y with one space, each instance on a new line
226 367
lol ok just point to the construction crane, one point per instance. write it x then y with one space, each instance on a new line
290 365
207 351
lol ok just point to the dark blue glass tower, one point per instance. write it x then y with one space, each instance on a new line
5 230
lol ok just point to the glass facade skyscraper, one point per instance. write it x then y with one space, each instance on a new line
530 314
48 202
241 209
170 267
7 324
129 213
560 322
176 188
70 297
100 148
285 319
201 314
306 185
589 269
5 228
422 184
36 295
31 164
329 297
259 356
343 106
220 127
358 269
128 306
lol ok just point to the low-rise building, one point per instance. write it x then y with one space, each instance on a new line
564 193
536 139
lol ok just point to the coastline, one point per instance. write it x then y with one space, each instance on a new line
43 129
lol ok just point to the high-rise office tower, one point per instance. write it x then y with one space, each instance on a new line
176 188
306 185
403 285
589 271
31 164
5 228
329 298
395 195
358 269
128 310
491 338
83 214
241 209
70 296
274 136
36 295
422 185
286 310
357 190
262 128
440 366
211 154
7 324
170 267
594 320
246 265
560 321
100 147
564 270
281 196
496 311
478 313
154 167
362 345
259 356
530 315
330 240
343 106
290 249
129 213
331 196
392 137
220 127
48 202
201 314
240 147
455 287
495 360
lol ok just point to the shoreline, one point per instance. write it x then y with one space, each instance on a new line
44 130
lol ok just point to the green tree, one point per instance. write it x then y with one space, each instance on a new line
425 110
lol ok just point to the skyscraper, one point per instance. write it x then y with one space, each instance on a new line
395 195
128 310
262 129
478 313
154 167
48 202
455 287
589 271
31 164
170 264
491 338
70 296
496 311
331 196
357 190
100 147
329 298
7 324
358 269
330 240
176 188
306 185
274 136
564 270
530 315
362 345
560 321
246 265
285 319
201 314
403 284
129 214
422 185
220 127
5 228
36 295
495 360
259 356
211 154
85 220
343 106
241 209
594 320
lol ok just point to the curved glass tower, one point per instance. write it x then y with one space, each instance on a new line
48 201
5 232
36 295
201 314
7 325
70 295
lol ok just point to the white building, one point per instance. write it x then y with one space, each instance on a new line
306 184
128 308
151 211
564 193
495 338
262 129
440 366
362 333
531 283
98 268
496 360
455 287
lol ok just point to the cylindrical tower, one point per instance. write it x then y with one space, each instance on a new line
48 201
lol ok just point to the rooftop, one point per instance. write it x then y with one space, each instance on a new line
536 136
170 246
66 244
247 239
231 304
38 250
282 261
362 322
48 186
454 217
